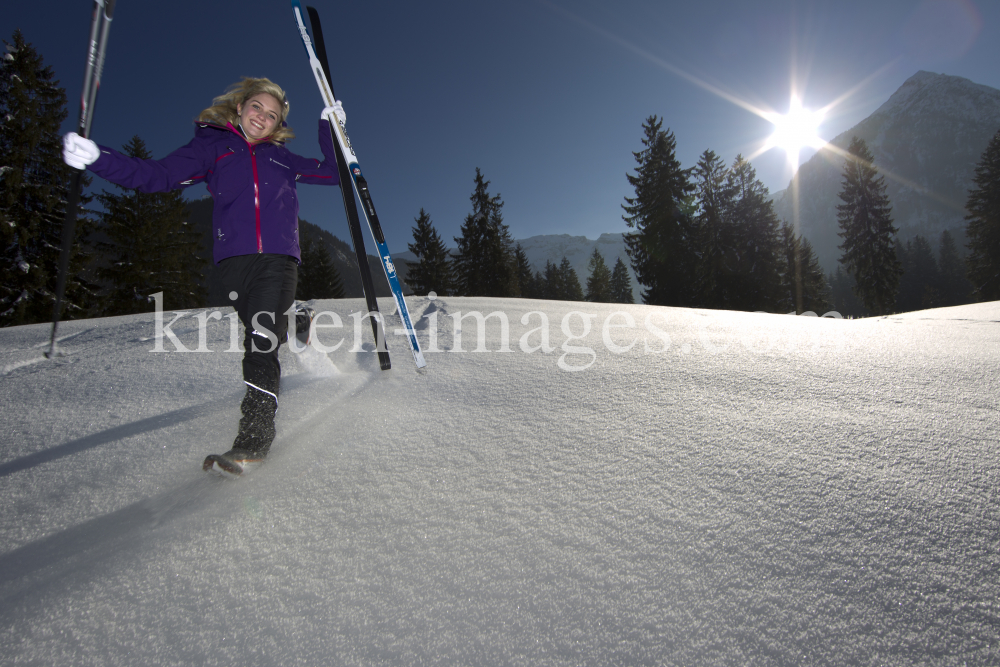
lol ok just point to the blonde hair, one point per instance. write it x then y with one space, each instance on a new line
224 107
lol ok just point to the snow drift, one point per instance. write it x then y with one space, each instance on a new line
648 486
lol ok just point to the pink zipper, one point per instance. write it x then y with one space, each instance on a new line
256 198
256 188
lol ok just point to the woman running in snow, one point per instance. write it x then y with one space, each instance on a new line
239 153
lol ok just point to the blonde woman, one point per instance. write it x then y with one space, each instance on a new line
239 153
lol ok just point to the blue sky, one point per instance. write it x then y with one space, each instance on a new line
547 97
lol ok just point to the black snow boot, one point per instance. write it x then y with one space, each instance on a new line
233 463
257 424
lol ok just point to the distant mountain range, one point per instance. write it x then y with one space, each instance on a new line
578 249
926 140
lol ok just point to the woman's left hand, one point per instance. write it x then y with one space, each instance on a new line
337 110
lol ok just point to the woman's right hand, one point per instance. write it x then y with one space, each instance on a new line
79 151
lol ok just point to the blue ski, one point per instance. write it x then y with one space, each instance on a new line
316 51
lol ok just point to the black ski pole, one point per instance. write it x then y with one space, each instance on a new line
96 48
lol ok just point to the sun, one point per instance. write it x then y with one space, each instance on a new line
795 130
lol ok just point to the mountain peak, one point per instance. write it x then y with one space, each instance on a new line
926 140
949 98
924 76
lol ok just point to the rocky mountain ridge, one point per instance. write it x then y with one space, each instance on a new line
926 139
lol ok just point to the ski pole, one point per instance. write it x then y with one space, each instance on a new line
96 48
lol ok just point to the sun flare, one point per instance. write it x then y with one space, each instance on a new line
795 130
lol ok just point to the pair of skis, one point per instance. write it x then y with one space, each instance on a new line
347 165
96 48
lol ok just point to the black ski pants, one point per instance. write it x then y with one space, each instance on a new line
262 288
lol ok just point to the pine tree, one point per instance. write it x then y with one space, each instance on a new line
955 288
433 272
621 284
738 248
803 284
537 287
560 282
529 288
150 248
866 226
599 281
33 192
815 288
318 277
662 247
930 274
920 282
553 281
843 297
753 231
791 286
907 295
843 294
983 229
570 282
485 264
716 246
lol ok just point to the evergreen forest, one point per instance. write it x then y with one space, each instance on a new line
704 236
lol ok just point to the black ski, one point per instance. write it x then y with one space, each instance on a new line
350 206
361 189
96 48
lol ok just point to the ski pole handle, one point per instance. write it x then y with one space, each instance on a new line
97 48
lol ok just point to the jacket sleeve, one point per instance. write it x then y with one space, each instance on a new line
310 170
183 168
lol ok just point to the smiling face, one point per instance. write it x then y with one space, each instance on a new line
259 116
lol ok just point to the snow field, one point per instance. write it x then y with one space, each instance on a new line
765 490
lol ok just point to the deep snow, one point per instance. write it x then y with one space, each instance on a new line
769 490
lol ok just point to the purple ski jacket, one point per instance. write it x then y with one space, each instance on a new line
256 209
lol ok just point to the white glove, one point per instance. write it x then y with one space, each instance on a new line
78 151
337 110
